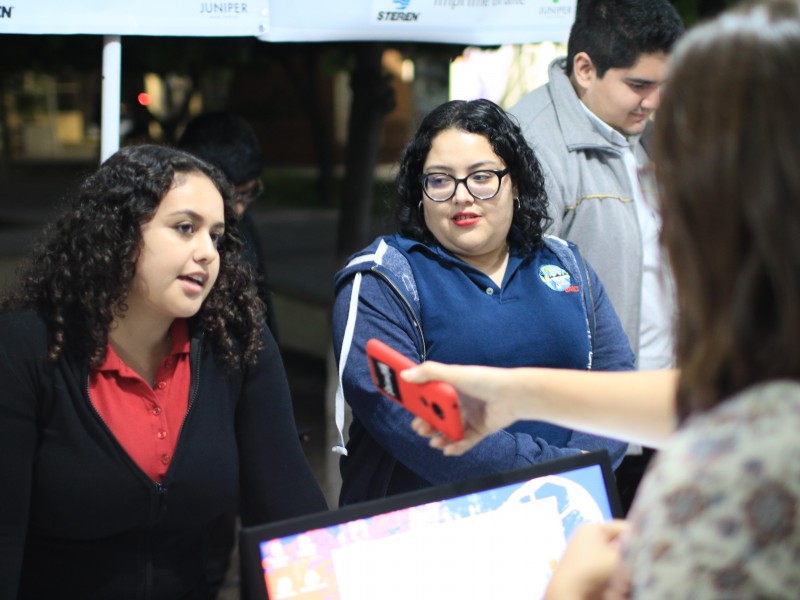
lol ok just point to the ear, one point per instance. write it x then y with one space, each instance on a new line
583 71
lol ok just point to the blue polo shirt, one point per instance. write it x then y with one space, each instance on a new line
535 318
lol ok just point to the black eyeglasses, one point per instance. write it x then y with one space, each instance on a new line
482 185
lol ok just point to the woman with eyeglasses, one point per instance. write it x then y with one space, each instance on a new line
469 278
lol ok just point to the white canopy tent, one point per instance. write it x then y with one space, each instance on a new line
471 22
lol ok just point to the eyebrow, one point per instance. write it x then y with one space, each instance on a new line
196 216
478 166
640 81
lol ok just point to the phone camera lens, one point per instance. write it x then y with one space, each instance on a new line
438 410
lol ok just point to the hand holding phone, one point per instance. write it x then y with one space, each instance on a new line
434 401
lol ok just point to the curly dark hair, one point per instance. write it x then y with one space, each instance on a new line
81 272
482 117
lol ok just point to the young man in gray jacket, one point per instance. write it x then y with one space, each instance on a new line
589 128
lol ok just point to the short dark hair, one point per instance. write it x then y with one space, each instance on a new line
615 33
482 117
228 142
727 146
80 273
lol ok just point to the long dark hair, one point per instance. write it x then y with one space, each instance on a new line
485 118
728 150
81 272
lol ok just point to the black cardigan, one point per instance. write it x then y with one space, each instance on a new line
79 519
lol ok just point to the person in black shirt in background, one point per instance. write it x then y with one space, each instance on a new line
228 142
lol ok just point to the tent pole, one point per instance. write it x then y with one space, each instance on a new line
112 81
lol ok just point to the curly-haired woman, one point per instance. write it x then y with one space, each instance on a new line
142 393
469 278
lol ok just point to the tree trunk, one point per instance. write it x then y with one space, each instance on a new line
5 142
305 79
373 98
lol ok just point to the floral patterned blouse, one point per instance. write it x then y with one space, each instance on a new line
718 514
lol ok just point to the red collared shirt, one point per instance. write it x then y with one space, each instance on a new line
146 419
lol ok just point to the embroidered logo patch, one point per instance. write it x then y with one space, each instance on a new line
556 278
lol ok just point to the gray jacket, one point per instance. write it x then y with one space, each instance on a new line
591 201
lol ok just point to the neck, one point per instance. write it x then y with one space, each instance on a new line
580 92
493 264
140 347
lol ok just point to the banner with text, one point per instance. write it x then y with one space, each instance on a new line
474 22
142 17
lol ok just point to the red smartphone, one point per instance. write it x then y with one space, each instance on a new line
434 401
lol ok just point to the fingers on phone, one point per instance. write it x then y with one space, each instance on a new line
460 447
422 427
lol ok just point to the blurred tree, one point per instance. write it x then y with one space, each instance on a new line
693 11
302 64
372 99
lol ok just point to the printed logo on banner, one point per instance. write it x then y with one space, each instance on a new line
223 8
399 14
555 11
5 12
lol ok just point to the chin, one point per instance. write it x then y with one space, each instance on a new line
635 129
186 312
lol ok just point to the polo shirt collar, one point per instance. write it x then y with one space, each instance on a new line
179 331
515 258
407 243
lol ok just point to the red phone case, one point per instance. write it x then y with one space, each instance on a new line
434 401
